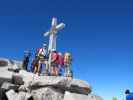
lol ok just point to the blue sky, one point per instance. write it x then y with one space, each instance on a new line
99 34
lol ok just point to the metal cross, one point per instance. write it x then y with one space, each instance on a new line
52 33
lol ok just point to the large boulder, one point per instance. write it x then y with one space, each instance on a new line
79 86
30 86
12 95
7 86
73 85
47 93
7 68
74 96
23 85
23 77
64 83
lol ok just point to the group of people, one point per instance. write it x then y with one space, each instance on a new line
49 62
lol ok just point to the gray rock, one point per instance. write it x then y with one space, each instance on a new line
74 96
5 65
23 77
73 85
48 93
10 63
39 87
79 86
17 79
56 81
7 86
12 95
94 97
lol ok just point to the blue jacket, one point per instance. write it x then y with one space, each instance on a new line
129 96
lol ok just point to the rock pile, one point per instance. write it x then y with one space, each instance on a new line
24 85
28 86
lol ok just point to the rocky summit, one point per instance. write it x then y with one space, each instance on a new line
23 85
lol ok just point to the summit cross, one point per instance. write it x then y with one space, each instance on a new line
52 36
53 33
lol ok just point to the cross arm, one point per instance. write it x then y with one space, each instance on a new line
60 26
47 33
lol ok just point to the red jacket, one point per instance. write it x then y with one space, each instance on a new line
57 58
60 60
54 56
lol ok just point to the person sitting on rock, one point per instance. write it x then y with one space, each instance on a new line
67 64
43 59
54 63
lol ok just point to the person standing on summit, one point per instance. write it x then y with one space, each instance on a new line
27 55
54 63
67 65
42 54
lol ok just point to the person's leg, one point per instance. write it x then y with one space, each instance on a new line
69 71
46 68
52 70
57 70
42 68
35 69
60 70
65 69
26 66
39 66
